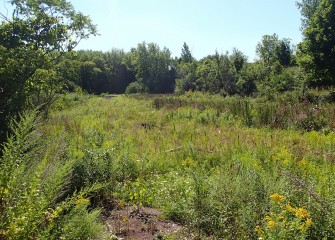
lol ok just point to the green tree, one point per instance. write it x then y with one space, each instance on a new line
122 72
90 76
244 73
154 68
186 71
35 35
266 48
225 73
186 55
220 73
247 78
307 9
316 53
206 75
238 59
272 49
96 71
283 52
69 72
186 76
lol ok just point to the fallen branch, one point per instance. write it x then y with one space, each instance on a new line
174 149
196 148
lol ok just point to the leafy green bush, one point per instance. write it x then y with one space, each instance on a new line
136 87
30 186
80 224
94 166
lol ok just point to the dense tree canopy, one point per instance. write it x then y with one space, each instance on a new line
317 51
271 49
217 73
154 68
307 9
31 39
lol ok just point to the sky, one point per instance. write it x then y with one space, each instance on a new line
205 25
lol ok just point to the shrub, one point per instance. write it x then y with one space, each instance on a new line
136 87
31 183
80 224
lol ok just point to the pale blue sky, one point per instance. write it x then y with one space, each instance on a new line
204 25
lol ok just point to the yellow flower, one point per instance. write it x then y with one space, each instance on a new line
189 162
82 200
301 213
280 218
267 218
259 230
309 222
277 198
6 191
271 224
121 203
126 219
306 225
13 229
290 209
303 162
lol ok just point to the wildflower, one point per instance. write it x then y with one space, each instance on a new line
277 198
301 213
306 225
309 222
126 219
259 230
121 203
13 229
82 200
303 162
267 218
189 162
280 218
271 224
290 209
6 191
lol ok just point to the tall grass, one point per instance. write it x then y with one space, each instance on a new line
283 113
224 168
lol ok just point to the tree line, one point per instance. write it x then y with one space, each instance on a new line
150 69
38 60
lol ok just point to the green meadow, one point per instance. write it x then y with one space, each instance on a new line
223 168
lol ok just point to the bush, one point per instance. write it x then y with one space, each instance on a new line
136 87
31 183
80 224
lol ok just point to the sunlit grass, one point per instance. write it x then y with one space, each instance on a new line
202 165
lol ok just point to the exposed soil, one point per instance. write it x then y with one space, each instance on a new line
108 97
141 223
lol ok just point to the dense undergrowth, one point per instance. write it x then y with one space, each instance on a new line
227 168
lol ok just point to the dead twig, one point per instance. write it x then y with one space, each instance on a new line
196 148
174 149
301 184
204 150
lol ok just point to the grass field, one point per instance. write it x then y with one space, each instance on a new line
224 168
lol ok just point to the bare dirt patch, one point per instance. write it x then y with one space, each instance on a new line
138 223
108 97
